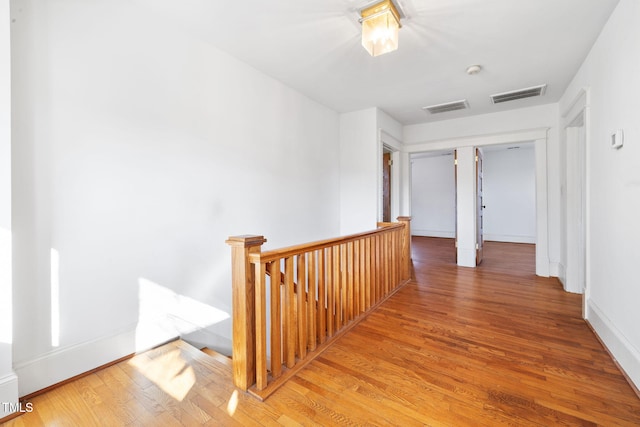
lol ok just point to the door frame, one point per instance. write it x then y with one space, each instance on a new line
539 137
479 207
388 143
576 132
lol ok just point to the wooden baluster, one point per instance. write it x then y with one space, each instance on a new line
343 288
330 295
243 317
388 262
392 265
322 297
302 307
312 302
289 315
399 264
343 285
383 267
394 260
385 264
406 247
336 288
363 275
261 325
378 269
357 283
390 283
349 282
368 276
276 319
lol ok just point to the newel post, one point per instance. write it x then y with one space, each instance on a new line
406 246
243 314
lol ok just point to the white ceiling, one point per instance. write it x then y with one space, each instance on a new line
314 47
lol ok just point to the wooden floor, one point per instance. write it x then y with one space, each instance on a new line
494 345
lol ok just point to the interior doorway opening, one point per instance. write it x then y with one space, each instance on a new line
433 195
387 163
506 200
573 201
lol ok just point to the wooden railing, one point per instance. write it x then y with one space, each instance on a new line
289 304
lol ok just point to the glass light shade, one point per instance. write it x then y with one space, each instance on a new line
380 33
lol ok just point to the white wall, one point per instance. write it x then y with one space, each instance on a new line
8 380
433 196
611 72
358 171
510 195
138 149
361 137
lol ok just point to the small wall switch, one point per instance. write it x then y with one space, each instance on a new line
617 139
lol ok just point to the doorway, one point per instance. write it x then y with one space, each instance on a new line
479 208
538 141
387 162
574 206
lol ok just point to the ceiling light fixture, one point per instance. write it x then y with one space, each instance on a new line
380 25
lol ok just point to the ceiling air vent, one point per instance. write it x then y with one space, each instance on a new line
518 94
448 106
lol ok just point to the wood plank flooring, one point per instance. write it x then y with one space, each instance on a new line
494 345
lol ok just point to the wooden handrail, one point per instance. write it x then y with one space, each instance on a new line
316 291
275 254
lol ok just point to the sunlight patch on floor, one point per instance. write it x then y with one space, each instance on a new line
168 371
233 403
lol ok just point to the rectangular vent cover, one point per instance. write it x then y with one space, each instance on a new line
448 106
519 94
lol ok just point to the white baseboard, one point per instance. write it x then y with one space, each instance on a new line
68 362
433 233
558 270
508 238
205 338
63 363
8 394
554 269
624 353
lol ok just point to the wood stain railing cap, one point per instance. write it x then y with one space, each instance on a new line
246 240
286 252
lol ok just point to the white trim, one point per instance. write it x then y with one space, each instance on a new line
580 100
509 238
623 352
466 257
8 392
556 269
542 213
67 362
386 140
478 141
579 108
433 233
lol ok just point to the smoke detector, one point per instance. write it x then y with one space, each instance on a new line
473 69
